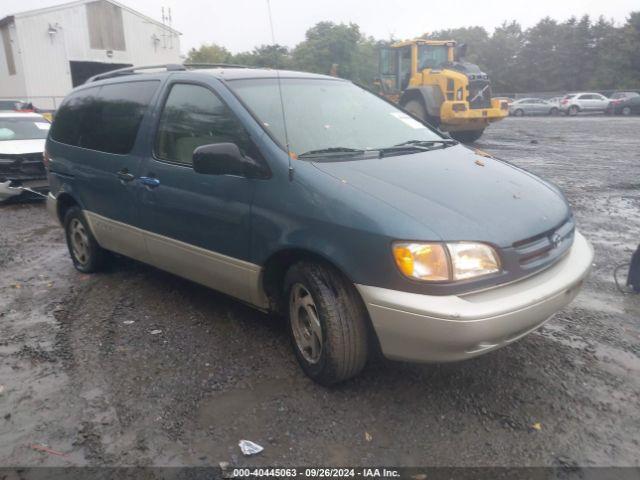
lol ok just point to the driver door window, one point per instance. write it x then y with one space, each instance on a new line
194 116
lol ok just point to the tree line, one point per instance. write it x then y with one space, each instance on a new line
577 54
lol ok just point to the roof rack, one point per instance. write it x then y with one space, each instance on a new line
214 65
171 67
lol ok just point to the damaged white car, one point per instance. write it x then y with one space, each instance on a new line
22 139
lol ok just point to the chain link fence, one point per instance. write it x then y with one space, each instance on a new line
549 95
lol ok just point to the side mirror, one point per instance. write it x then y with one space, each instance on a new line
223 159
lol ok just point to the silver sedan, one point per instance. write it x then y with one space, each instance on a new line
532 106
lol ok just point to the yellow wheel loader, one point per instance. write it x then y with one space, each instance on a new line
430 79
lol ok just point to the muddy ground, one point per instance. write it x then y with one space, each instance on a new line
82 374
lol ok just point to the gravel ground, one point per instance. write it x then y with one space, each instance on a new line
82 374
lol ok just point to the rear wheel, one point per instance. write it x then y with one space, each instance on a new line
626 111
85 252
416 107
327 322
554 112
467 136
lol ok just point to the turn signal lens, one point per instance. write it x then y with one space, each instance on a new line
422 261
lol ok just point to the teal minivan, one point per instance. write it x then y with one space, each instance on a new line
310 197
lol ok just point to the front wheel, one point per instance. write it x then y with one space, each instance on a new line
626 111
85 252
417 109
467 136
327 323
554 112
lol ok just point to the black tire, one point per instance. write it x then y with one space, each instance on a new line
518 113
467 136
573 110
91 257
554 112
416 108
342 319
626 111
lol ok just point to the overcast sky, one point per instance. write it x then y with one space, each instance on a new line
242 24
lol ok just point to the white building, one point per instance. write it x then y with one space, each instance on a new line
45 53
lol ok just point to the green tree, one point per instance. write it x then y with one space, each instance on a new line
576 54
209 53
267 56
501 57
328 44
610 64
537 67
630 48
476 38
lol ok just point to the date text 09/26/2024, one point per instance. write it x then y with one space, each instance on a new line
313 472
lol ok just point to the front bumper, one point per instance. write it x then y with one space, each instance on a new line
425 328
471 118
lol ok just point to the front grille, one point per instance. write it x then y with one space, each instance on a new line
479 94
26 166
545 247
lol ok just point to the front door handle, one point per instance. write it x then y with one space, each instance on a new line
125 176
150 182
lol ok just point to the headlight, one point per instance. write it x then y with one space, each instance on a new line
472 260
438 262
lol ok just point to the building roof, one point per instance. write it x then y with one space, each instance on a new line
10 18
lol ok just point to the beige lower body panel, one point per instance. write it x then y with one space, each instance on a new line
228 275
427 328
52 207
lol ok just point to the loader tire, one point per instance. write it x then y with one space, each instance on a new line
417 109
467 136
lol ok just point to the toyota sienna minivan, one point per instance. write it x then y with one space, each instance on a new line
308 196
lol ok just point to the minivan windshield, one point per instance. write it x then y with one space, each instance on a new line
330 117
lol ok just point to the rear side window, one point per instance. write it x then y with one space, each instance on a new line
194 116
105 118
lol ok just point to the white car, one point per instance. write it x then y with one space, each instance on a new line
575 103
22 139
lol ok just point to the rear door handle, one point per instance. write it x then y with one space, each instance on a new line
150 182
125 176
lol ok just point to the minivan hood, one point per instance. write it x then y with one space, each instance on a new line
459 194
17 147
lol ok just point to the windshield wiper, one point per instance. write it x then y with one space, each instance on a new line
331 150
428 143
413 146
